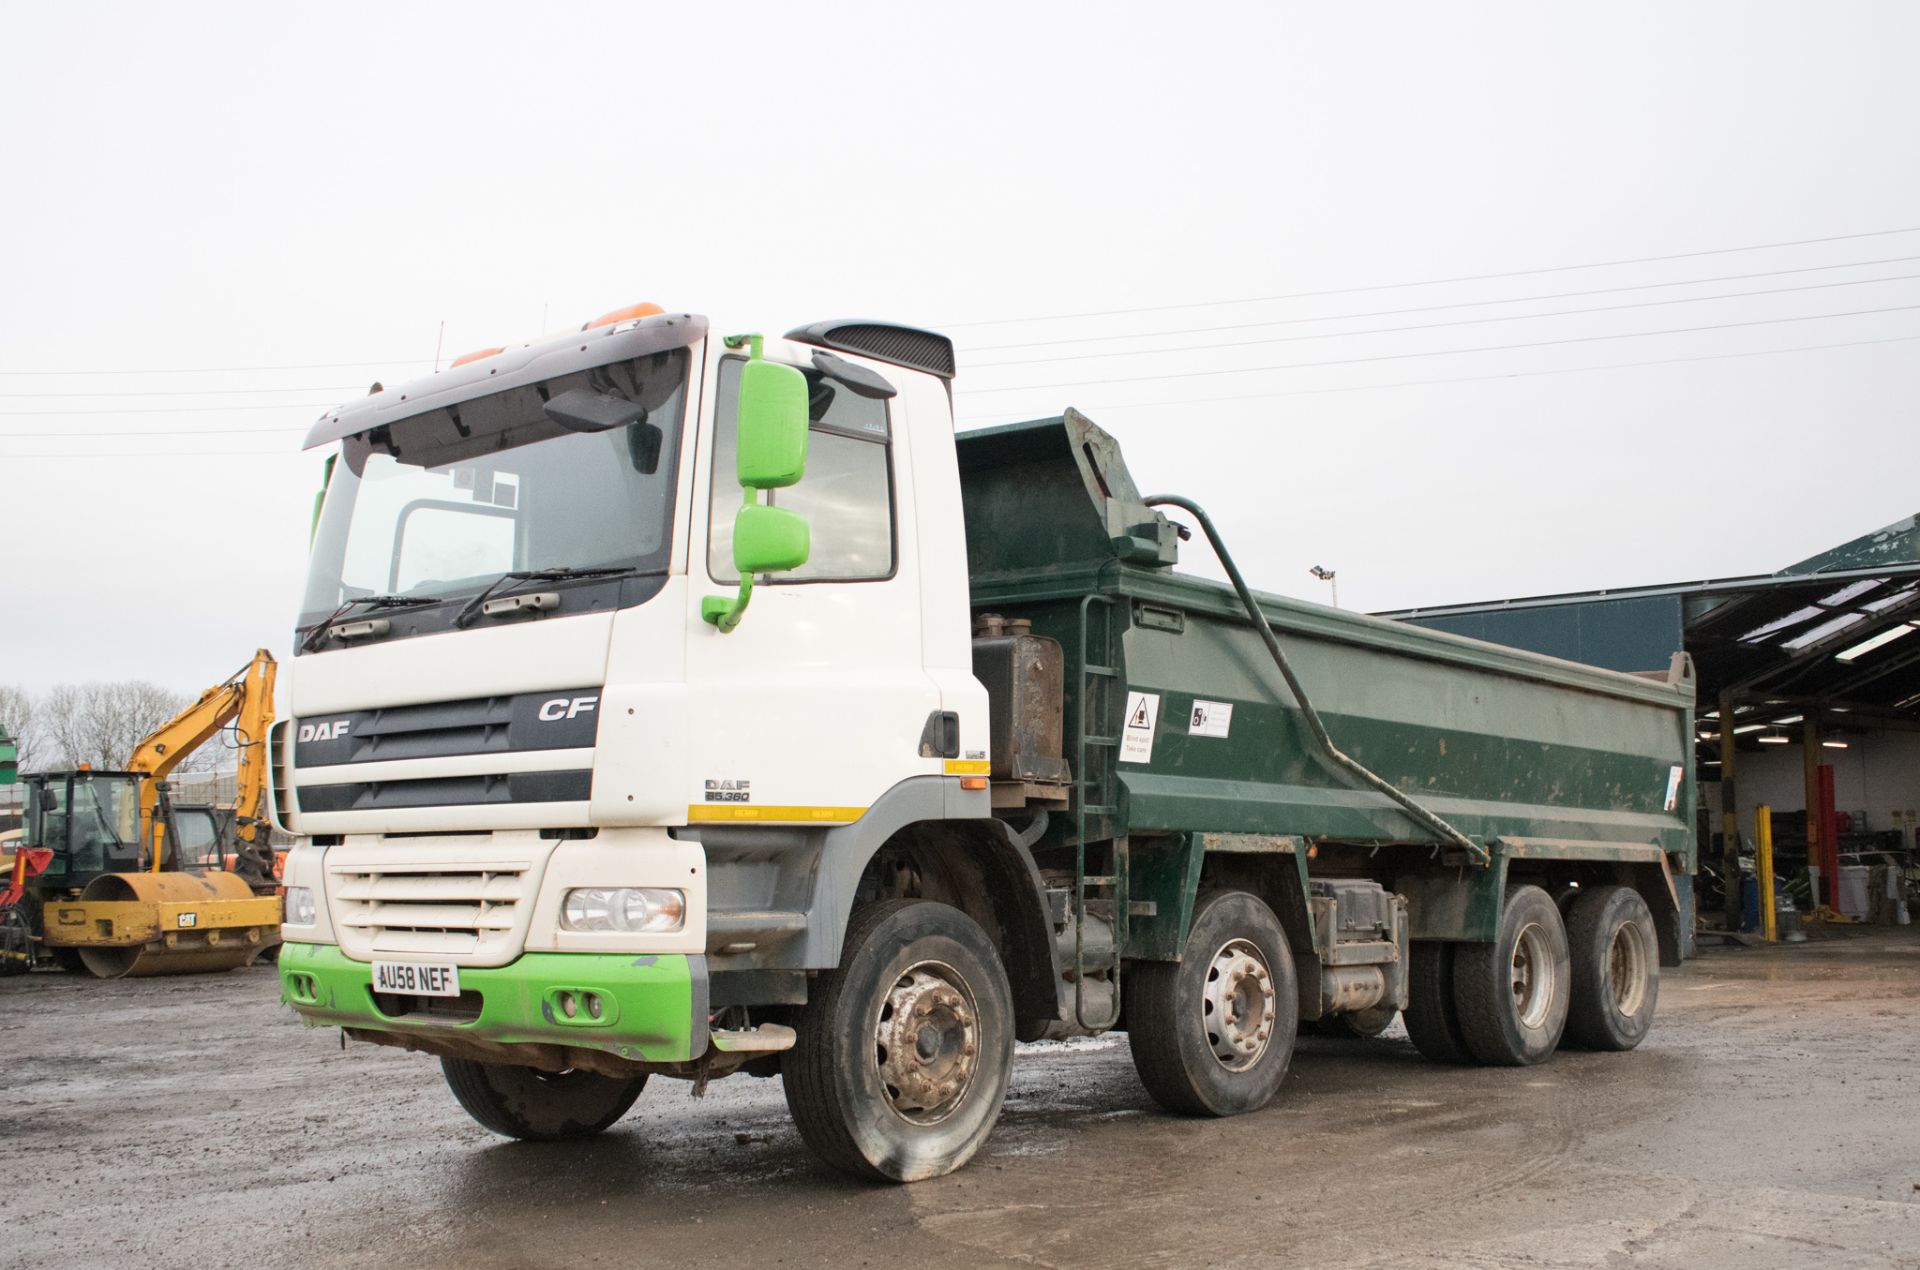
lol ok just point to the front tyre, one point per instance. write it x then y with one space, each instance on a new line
905 1049
1616 969
537 1106
1212 1034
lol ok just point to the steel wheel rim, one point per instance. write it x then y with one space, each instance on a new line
926 1042
1627 962
1237 1005
1532 976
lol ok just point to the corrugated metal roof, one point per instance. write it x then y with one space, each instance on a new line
1832 630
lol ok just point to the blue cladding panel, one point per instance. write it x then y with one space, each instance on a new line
1636 634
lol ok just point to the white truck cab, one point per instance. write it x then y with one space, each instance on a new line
527 708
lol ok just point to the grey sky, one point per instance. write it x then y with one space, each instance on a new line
256 186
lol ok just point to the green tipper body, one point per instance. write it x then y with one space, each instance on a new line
1530 756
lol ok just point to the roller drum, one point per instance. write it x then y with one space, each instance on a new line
205 947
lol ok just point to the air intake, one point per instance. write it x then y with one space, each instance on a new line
907 346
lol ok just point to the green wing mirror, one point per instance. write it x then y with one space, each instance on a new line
770 453
772 449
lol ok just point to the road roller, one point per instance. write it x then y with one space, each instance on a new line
103 900
118 880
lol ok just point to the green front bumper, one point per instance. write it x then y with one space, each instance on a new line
652 1007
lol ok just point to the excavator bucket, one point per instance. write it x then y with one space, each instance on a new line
138 924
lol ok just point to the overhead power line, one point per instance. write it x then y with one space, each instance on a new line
1435 282
1430 308
156 432
235 370
377 362
158 454
1435 326
167 410
187 392
1144 405
1476 379
1448 352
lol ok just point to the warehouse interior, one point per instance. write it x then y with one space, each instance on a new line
1809 697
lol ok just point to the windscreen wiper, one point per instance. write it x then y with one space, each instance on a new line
563 573
318 632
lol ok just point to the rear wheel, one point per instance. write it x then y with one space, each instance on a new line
1616 969
905 1049
537 1106
1212 1034
1433 1022
1512 994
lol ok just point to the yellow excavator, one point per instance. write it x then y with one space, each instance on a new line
113 878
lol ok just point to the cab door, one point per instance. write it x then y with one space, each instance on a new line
815 704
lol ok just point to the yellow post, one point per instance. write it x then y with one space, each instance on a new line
1763 850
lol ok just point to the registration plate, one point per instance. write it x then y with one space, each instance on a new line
417 979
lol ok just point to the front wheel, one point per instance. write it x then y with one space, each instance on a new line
1212 1034
537 1106
906 1048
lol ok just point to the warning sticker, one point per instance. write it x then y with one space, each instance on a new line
1673 786
1210 718
1136 738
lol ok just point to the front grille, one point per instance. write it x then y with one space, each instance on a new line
558 719
464 1008
473 912
496 790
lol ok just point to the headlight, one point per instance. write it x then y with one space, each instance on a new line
626 910
299 909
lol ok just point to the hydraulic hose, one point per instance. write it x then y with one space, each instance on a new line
1338 757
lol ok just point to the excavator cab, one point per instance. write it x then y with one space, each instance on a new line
201 836
89 820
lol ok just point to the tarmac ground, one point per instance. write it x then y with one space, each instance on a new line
1771 1119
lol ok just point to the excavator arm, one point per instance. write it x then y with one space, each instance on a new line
244 700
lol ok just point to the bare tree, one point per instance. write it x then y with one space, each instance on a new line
19 722
100 723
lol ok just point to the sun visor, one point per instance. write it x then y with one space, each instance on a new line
510 369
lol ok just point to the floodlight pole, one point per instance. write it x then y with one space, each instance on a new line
1329 577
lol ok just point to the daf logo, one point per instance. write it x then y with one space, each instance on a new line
565 708
325 731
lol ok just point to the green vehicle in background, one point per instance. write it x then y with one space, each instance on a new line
669 705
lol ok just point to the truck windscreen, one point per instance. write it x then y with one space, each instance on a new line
441 505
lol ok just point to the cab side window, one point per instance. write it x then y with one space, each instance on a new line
846 494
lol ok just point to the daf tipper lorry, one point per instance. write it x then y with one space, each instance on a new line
675 704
